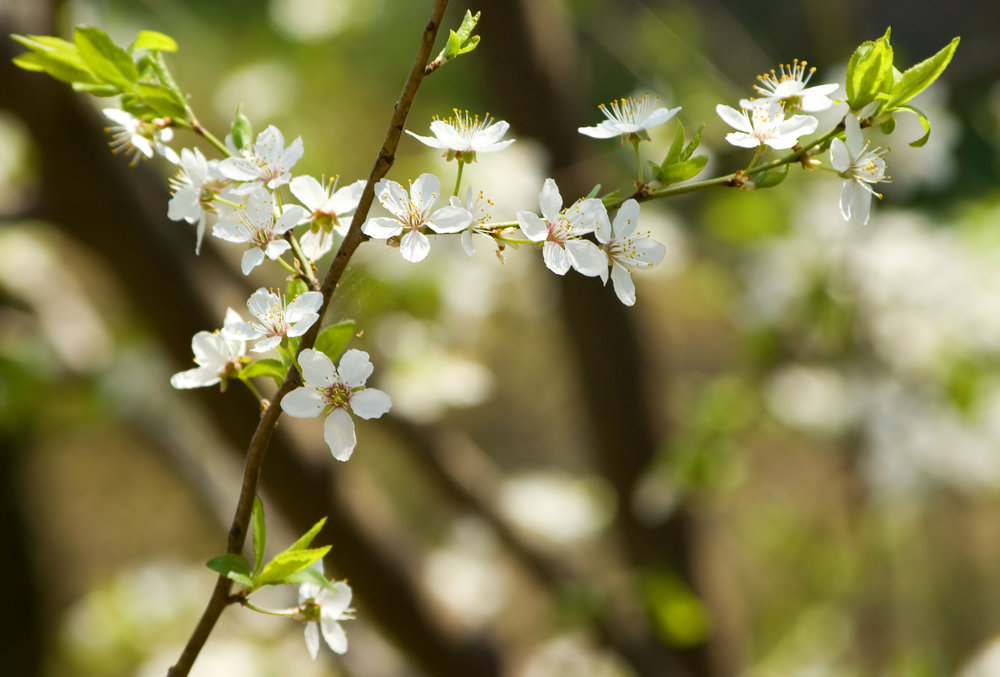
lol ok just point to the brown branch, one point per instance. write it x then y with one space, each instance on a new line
262 435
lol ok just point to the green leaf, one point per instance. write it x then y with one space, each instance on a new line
594 191
311 575
682 171
154 41
165 101
451 47
888 125
919 77
332 340
676 148
259 534
461 41
233 567
268 367
289 562
104 58
695 142
96 90
869 72
295 288
307 538
611 198
469 22
924 122
54 56
770 178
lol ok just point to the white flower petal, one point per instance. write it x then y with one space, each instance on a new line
370 403
586 257
338 433
532 226
623 284
381 227
450 220
555 257
333 634
317 368
549 200
303 402
252 258
355 368
414 246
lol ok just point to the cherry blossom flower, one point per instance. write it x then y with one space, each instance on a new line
625 250
254 224
630 118
861 167
195 187
273 320
322 610
265 163
217 357
137 138
464 135
329 389
411 212
327 206
788 88
478 206
561 231
764 123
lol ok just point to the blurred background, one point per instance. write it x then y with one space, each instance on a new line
784 460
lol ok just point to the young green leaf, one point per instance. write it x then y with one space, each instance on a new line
694 143
307 538
54 56
682 171
287 563
295 288
311 575
163 100
869 72
104 58
769 178
919 77
259 534
924 122
233 567
332 340
154 41
267 367
676 148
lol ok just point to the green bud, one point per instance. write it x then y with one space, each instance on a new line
241 129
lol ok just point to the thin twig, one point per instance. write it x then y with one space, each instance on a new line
262 435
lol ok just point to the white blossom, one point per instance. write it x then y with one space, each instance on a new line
561 232
265 163
464 135
788 88
273 320
322 610
626 251
137 138
326 205
195 185
412 214
329 389
764 123
217 357
254 224
629 118
861 166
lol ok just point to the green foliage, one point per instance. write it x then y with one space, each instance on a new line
769 178
869 72
93 63
267 367
679 616
872 78
332 340
291 565
461 41
679 165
